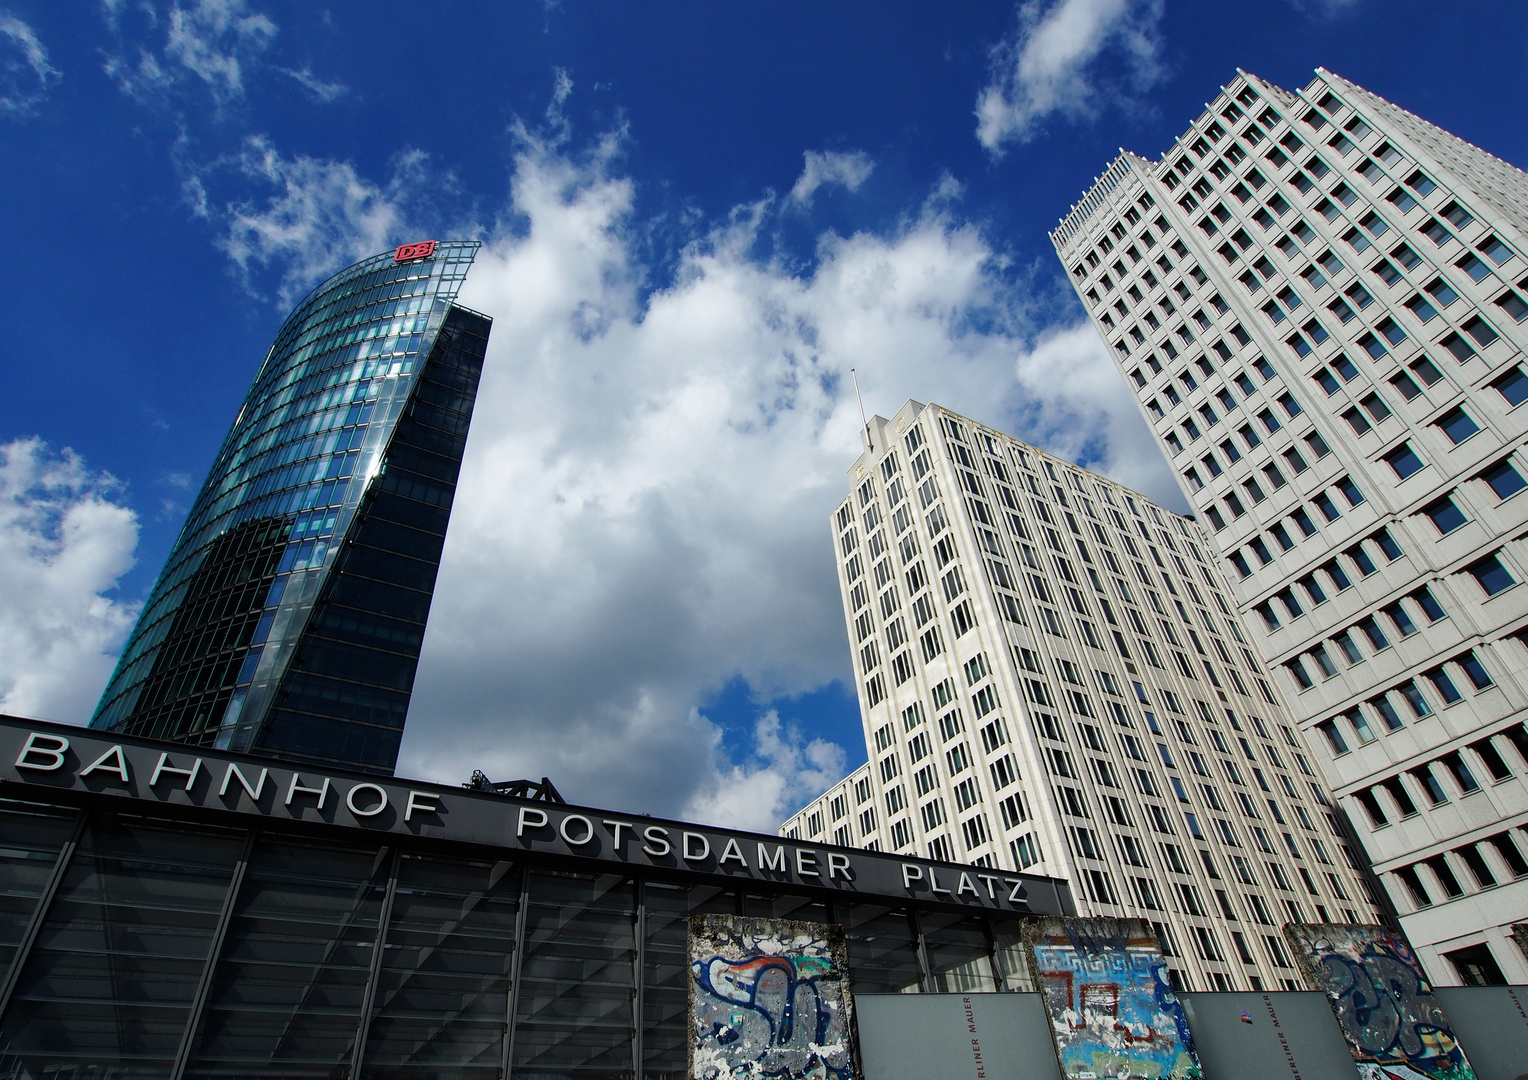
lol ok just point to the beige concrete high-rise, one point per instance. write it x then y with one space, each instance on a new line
1319 301
1052 678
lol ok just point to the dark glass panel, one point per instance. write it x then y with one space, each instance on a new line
666 971
109 982
574 1007
353 648
31 836
286 996
196 665
883 955
785 906
1013 953
959 956
442 1000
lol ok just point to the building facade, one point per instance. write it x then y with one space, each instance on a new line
173 912
289 615
1318 300
1052 677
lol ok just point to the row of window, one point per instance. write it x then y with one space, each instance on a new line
1444 680
1324 502
1476 858
1423 305
1487 753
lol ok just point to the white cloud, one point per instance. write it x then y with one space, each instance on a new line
790 772
64 543
316 215
212 44
1055 64
322 92
1076 404
643 508
643 512
26 76
210 37
831 167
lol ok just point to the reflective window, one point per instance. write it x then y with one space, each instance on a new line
31 836
286 995
117 962
573 1014
442 995
883 954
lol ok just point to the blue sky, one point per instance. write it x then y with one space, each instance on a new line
697 218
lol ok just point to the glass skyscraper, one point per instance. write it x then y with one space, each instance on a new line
289 616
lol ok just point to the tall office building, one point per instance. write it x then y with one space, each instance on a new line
288 618
1319 301
1052 679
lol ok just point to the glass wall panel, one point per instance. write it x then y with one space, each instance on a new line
442 999
573 1015
959 959
109 982
314 443
286 995
786 906
666 970
883 954
1013 954
31 836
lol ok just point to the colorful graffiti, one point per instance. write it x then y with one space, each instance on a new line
1394 1025
1113 1012
769 998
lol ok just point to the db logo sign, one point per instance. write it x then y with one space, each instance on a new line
422 250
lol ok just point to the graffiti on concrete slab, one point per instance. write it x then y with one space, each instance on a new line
1393 1023
769 998
1113 1011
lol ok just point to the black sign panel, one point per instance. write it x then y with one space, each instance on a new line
41 755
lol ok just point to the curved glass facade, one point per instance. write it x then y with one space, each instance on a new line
289 616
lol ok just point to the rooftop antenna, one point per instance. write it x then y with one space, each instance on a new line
869 442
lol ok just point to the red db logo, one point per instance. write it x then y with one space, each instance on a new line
422 250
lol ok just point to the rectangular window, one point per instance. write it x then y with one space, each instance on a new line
1457 424
1481 331
1492 575
1512 386
1445 515
1504 479
1404 460
1513 305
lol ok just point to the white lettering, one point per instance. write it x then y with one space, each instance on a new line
1016 894
772 862
838 866
691 855
115 754
252 792
423 801
33 746
732 852
298 786
165 767
375 810
562 827
910 874
654 835
615 829
538 821
966 885
805 859
933 884
991 881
